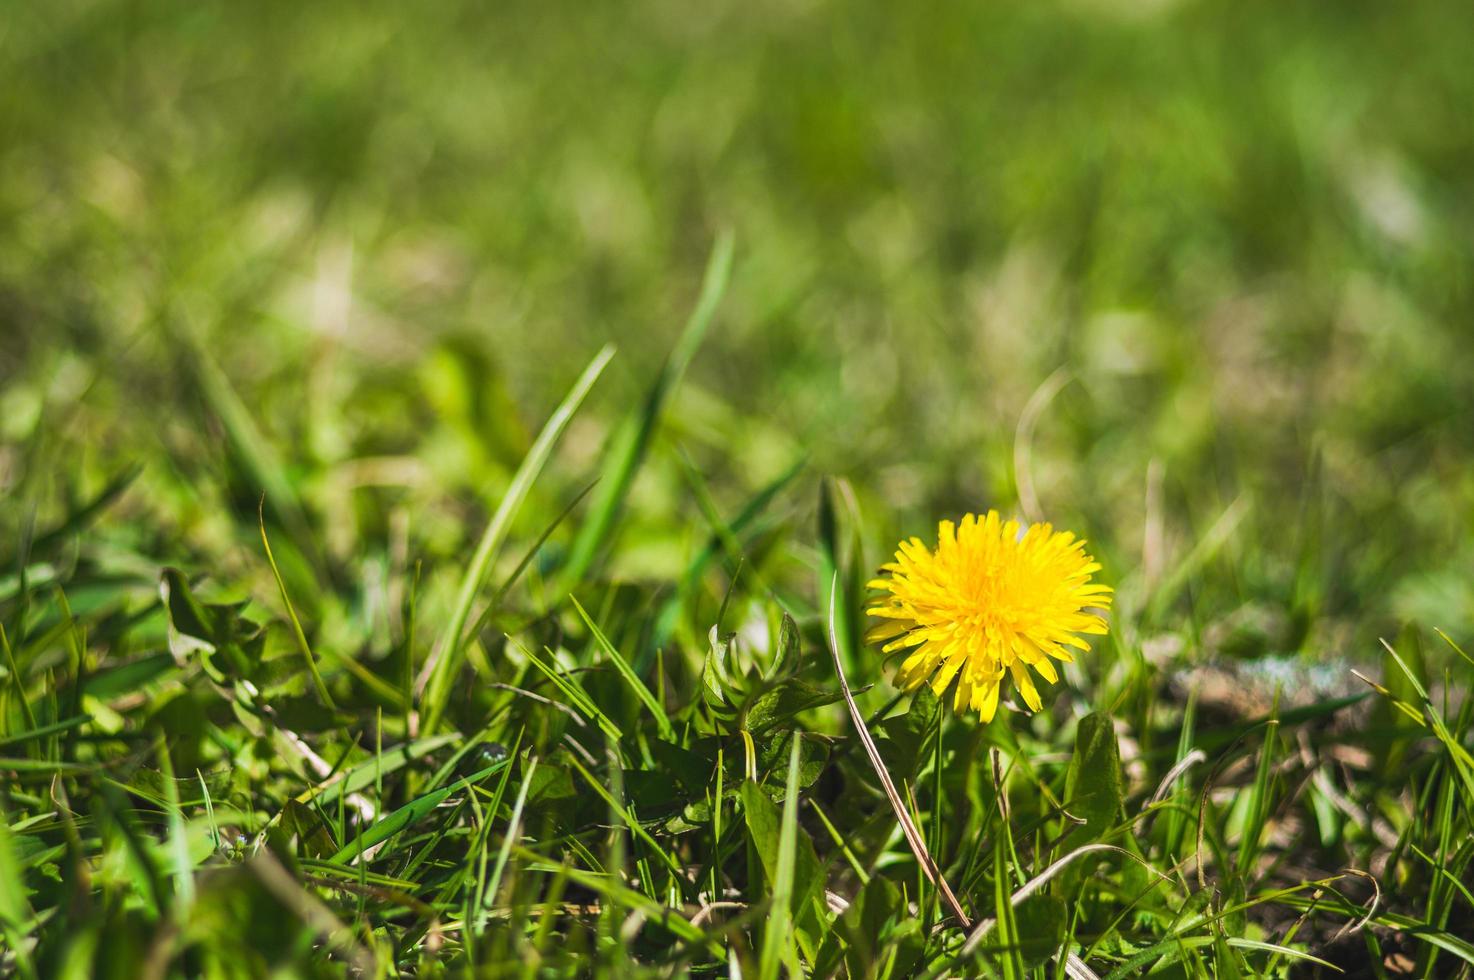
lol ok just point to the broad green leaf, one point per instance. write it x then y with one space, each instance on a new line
780 705
907 734
1093 785
225 643
123 678
788 657
764 828
1041 921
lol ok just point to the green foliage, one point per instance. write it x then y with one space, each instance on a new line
1093 785
348 627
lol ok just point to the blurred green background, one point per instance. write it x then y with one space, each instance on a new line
363 249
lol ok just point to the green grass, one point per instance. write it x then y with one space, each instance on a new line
441 458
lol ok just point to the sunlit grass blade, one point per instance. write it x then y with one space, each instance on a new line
15 910
778 945
1258 807
1011 964
1423 932
1203 552
627 672
1432 718
631 442
401 818
1033 885
514 828
476 899
1173 950
609 888
1455 647
362 776
437 687
578 699
16 681
626 816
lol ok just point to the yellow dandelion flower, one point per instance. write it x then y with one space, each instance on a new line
992 599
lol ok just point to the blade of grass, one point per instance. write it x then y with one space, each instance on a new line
1463 761
625 816
476 900
1444 940
514 828
1259 800
841 843
832 574
394 822
631 442
1073 963
15 680
611 889
575 694
178 842
716 829
1012 961
259 458
66 724
209 810
1201 554
15 911
1170 951
297 633
1457 649
411 630
627 672
437 687
362 776
777 933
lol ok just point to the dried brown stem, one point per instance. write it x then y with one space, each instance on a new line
908 827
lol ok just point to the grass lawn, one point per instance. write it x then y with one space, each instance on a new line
450 456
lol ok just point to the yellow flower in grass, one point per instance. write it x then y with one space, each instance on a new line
993 599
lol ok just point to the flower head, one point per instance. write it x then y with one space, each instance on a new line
992 599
